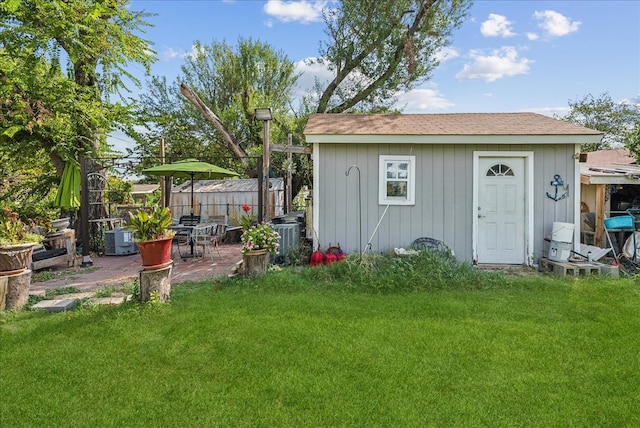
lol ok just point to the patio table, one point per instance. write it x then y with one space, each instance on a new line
186 231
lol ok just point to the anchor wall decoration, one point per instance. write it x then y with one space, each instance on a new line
557 182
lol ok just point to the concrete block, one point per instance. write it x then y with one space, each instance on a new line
610 271
59 305
107 300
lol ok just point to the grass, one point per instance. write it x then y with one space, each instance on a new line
49 274
300 349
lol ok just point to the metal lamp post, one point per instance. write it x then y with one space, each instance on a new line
265 115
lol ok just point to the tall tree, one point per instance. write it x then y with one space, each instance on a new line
64 114
617 120
378 48
230 81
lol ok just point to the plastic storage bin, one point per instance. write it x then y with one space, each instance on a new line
619 222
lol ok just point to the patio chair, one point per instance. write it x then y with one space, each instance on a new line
183 237
189 220
206 237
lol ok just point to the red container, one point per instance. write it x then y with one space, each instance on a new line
317 258
330 258
155 253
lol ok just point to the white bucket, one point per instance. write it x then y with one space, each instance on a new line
559 251
562 232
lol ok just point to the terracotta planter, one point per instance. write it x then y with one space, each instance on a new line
155 254
254 263
15 258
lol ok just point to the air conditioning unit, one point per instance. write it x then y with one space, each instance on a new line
119 242
289 237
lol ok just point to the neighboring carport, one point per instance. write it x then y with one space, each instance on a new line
610 184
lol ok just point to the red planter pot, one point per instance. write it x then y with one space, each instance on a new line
155 254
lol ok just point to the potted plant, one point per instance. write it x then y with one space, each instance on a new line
152 236
257 242
16 243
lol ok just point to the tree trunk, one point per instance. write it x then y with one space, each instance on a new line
15 289
215 121
155 281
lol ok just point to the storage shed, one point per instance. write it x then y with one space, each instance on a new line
489 185
224 198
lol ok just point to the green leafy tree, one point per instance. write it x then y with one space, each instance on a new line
64 112
618 121
231 81
378 48
632 142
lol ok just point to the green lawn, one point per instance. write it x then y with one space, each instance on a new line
535 352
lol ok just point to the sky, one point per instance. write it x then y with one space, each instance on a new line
508 56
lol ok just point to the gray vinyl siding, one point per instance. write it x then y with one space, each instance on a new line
444 195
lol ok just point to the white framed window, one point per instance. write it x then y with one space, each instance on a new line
397 180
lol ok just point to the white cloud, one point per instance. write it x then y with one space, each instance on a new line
304 11
446 54
503 62
555 24
311 70
496 26
170 53
532 36
423 99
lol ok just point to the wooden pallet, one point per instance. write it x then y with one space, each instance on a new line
578 268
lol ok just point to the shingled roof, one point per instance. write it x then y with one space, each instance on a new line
442 124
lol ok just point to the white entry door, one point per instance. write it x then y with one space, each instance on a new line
501 210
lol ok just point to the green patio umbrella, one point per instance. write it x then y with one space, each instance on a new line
68 196
192 169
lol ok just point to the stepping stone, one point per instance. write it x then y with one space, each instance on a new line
107 300
59 305
38 293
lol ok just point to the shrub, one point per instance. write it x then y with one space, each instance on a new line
389 272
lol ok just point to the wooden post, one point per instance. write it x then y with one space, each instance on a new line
288 196
159 281
265 170
163 186
599 235
260 191
15 289
84 213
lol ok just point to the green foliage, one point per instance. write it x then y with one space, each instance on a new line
13 231
127 288
53 292
232 81
52 111
260 237
378 48
618 121
151 226
299 255
120 190
632 141
427 270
